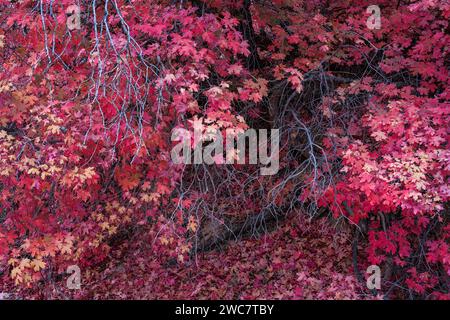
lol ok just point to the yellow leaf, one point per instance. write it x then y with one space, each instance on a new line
184 248
5 172
15 272
89 172
154 196
45 175
12 261
66 248
53 129
164 240
53 169
192 224
104 225
24 263
33 171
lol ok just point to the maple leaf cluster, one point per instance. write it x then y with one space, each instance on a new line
87 112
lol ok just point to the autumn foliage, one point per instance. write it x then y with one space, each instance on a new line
90 93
